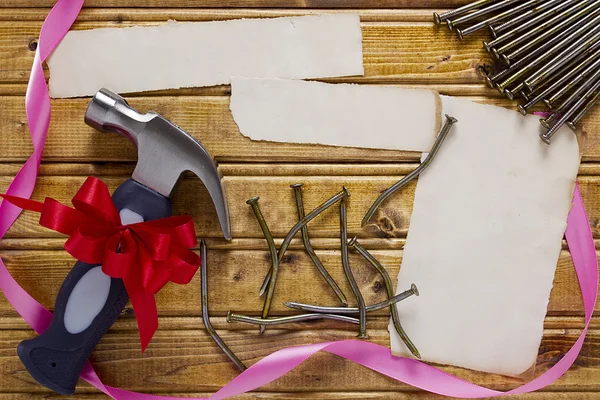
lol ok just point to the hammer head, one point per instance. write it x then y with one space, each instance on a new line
165 151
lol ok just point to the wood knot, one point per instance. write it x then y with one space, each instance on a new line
33 43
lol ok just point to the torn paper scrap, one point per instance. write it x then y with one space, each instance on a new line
176 55
484 240
281 110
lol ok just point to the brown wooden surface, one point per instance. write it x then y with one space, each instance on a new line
401 47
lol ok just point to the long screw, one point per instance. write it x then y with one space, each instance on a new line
542 63
303 222
588 106
253 202
348 271
482 11
552 35
389 288
205 317
588 43
422 167
231 317
439 18
498 29
592 62
309 249
567 114
578 92
533 27
354 310
496 18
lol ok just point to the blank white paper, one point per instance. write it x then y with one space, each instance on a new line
484 240
281 110
190 54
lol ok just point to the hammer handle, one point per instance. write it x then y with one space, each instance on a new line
87 305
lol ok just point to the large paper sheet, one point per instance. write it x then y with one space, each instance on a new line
296 111
177 55
484 240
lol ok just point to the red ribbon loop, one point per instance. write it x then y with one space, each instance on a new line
146 255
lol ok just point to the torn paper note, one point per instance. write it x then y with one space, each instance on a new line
382 117
176 55
484 240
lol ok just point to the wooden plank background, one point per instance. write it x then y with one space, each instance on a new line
401 47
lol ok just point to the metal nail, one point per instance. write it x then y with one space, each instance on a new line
571 99
553 35
567 114
549 120
362 312
549 61
496 18
231 317
253 202
581 63
309 249
354 310
588 106
439 18
395 187
482 11
585 44
536 25
303 222
389 288
524 16
205 317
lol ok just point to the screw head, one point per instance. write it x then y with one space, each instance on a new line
414 289
253 200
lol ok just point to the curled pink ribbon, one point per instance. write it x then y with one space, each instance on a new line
373 356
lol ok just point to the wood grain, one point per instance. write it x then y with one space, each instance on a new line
235 277
391 221
206 118
401 48
394 52
188 361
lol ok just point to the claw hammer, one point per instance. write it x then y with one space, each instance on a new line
89 301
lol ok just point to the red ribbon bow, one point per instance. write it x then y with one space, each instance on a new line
146 255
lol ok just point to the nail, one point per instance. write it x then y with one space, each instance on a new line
549 120
581 88
482 11
588 106
567 114
585 44
253 202
389 288
205 317
496 18
413 291
309 249
395 187
439 18
554 34
523 17
534 26
231 317
362 312
303 222
582 63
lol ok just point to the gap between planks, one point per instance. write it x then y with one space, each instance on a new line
249 169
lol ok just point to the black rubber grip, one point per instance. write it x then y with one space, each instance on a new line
56 357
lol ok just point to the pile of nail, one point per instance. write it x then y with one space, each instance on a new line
342 313
549 51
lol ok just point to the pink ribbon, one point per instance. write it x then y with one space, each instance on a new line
373 356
